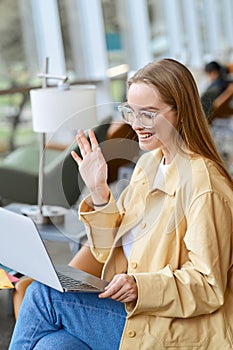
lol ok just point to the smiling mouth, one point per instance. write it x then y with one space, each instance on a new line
144 136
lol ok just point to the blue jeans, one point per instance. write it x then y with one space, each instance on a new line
49 319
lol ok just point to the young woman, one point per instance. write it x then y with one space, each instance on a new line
166 244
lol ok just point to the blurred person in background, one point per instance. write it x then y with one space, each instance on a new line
217 76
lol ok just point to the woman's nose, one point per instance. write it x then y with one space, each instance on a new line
136 124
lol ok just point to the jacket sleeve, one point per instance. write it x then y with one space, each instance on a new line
198 286
102 225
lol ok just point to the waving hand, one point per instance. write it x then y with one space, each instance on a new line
92 167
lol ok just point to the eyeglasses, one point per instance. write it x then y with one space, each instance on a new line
145 118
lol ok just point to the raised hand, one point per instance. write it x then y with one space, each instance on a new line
92 167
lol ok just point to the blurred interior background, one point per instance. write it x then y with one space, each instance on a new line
102 42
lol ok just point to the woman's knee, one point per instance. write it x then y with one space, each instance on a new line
60 340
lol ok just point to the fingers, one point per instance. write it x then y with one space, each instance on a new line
122 288
94 142
84 145
77 159
123 295
92 166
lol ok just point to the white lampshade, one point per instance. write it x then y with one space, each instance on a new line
73 108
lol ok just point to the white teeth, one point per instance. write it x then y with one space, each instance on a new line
145 136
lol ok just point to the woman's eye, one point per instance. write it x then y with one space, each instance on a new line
145 114
129 112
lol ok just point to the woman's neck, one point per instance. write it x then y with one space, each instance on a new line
168 156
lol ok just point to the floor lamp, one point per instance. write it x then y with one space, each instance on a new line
53 108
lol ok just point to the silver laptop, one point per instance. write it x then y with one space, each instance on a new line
22 249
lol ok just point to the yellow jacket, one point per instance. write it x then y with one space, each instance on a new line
182 258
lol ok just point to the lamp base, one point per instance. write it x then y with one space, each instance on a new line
50 214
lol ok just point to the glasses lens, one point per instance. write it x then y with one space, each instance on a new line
127 113
146 119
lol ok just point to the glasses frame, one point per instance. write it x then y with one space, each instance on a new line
137 115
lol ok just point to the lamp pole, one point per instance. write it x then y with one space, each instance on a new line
45 76
41 151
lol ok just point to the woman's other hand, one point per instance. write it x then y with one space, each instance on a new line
122 288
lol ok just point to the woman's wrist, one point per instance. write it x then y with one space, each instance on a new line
100 205
100 197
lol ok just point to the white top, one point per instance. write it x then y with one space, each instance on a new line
129 237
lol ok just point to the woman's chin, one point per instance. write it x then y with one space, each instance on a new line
149 146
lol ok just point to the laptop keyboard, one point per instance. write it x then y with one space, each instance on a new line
71 284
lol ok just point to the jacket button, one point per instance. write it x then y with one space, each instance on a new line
131 333
134 264
143 225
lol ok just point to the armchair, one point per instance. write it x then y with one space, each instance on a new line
62 183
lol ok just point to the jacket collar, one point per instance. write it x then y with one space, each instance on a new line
178 171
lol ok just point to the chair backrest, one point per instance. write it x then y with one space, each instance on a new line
121 148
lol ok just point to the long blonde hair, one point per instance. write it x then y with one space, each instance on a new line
178 89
